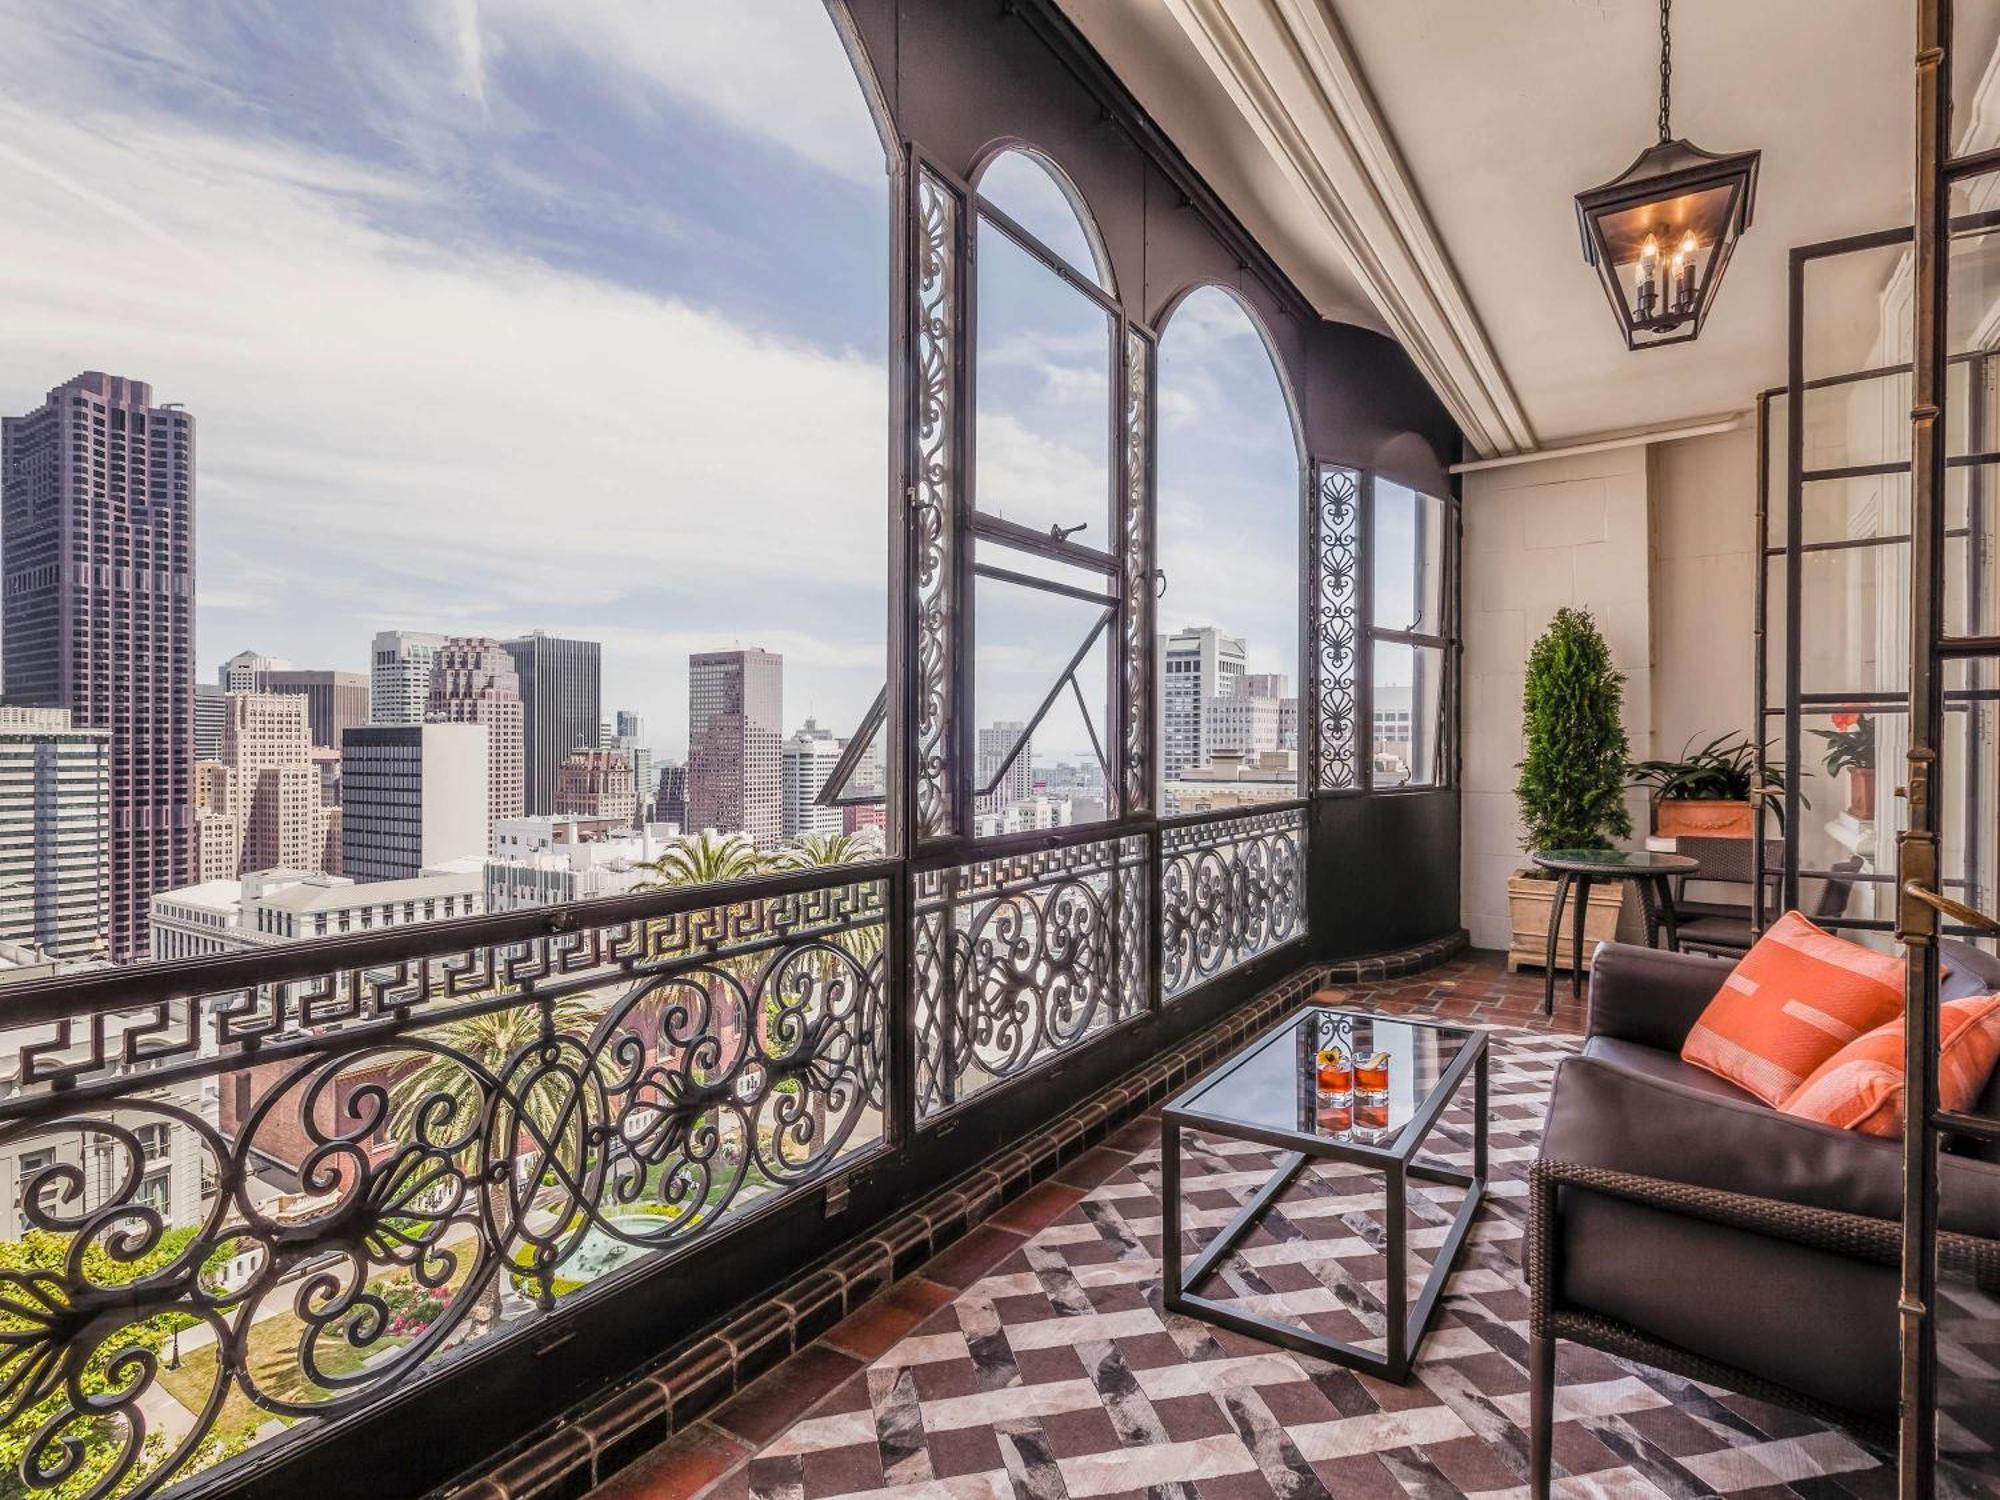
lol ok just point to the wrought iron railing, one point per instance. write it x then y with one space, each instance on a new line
260 1192
387 1159
1021 956
1232 886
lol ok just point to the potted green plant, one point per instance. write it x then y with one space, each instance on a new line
1571 790
1850 747
1710 792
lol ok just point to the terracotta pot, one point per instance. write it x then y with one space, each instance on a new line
1700 818
1861 794
1528 901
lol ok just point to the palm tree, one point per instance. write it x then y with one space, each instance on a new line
705 858
813 850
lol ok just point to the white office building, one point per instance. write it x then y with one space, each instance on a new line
809 759
413 797
546 860
399 675
270 908
1198 665
55 833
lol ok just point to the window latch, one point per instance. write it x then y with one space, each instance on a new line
1061 533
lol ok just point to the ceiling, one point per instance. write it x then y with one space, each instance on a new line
1412 165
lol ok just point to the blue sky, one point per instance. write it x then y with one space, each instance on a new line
503 314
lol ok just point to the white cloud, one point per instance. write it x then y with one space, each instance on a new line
799 94
394 432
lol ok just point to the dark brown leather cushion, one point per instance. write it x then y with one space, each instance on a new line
1654 1063
1606 1115
1648 996
1811 1322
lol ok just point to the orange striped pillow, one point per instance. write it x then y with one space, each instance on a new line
1861 1086
1796 998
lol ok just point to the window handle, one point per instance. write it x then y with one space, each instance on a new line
1159 583
1061 533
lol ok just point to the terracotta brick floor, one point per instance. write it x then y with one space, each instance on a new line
714 1455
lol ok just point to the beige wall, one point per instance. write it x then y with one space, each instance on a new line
1539 536
1658 543
1704 506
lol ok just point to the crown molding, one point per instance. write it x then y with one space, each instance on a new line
1290 71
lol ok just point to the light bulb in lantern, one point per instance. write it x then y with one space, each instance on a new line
1645 287
1684 259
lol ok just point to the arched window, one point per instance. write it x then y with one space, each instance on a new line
1229 547
1045 558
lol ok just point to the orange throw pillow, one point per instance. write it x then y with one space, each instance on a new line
1861 1086
1796 998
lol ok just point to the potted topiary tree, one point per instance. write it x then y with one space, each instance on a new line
1572 787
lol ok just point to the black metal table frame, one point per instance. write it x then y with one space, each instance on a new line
1656 897
1404 1324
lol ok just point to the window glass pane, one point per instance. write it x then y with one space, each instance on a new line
1409 541
497 337
1023 689
1229 545
1026 191
1043 421
1407 736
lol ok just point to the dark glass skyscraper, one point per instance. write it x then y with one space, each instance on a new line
97 611
561 693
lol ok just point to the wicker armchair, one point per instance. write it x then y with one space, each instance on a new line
1679 1222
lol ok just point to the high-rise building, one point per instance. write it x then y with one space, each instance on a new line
1242 725
995 740
736 703
473 682
97 612
629 740
413 797
55 823
560 693
239 674
211 708
1197 664
399 675
809 758
335 701
1267 684
670 800
597 784
260 805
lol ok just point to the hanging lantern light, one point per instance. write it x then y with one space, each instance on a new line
1661 232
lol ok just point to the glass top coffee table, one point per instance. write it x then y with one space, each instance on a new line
1269 1093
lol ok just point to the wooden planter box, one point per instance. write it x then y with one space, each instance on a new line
1687 817
1528 902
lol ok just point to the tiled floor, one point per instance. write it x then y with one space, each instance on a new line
1033 1357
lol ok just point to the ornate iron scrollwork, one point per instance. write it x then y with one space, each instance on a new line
319 1187
1135 546
934 502
1020 957
1229 890
1335 596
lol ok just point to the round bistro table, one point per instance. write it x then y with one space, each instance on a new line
1578 869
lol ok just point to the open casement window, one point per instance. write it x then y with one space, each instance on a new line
1410 632
1040 649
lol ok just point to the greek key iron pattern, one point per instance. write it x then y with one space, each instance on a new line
1020 958
1136 560
1229 891
933 503
1335 595
382 1167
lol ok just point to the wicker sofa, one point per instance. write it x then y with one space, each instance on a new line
1680 1222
